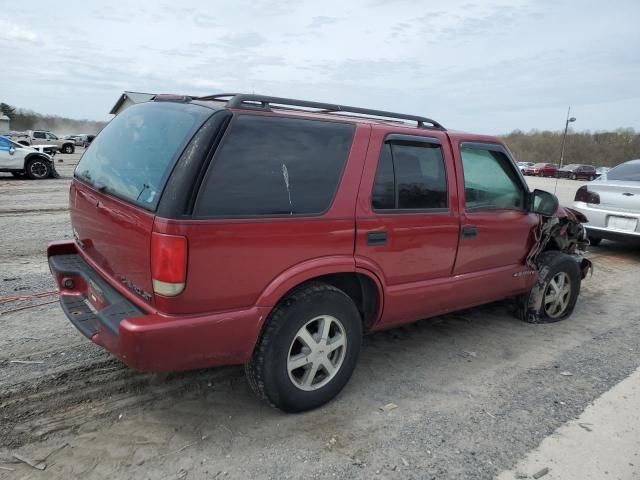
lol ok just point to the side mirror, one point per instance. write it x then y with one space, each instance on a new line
544 203
12 150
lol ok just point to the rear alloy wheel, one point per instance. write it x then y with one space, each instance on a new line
555 294
68 148
308 349
316 353
591 178
38 169
573 176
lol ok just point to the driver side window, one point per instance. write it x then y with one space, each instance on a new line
490 180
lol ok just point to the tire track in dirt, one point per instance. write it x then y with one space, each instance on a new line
64 400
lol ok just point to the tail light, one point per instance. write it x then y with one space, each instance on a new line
585 195
168 264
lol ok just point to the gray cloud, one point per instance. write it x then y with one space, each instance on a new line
489 66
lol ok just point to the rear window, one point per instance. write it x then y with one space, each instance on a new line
275 166
133 156
629 172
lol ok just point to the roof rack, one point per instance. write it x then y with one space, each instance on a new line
252 101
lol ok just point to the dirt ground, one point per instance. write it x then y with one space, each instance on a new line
475 390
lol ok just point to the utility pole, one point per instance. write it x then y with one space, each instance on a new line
564 137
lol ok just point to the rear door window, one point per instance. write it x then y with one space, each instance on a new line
134 154
275 166
410 176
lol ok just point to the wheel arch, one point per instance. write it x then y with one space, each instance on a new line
34 155
362 286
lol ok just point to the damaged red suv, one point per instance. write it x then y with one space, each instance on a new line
270 232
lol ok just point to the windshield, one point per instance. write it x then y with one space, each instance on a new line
629 172
132 157
15 144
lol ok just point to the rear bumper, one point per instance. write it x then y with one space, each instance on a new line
599 224
146 340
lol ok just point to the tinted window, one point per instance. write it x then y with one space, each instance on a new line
4 144
38 135
490 181
275 166
384 188
410 176
626 172
134 153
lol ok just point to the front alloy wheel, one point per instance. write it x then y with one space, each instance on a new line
556 291
38 169
557 295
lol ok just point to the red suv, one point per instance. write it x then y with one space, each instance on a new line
242 229
543 170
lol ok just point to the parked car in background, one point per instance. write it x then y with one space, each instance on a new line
576 171
85 140
612 203
41 137
523 166
543 170
22 161
602 170
357 224
77 139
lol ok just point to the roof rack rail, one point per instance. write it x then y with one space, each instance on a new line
240 100
217 96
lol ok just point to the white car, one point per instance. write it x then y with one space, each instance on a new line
21 161
612 204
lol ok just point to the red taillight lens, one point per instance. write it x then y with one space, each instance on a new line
584 195
168 263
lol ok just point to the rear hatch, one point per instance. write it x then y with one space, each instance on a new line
118 183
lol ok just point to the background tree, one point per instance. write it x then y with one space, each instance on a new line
598 148
8 110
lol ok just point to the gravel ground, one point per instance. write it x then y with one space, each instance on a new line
475 390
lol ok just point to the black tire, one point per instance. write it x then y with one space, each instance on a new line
38 169
267 372
532 307
595 241
591 178
68 148
24 144
573 176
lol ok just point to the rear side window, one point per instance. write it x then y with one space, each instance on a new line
410 177
133 155
275 166
490 180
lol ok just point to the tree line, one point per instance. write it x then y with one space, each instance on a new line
600 149
21 119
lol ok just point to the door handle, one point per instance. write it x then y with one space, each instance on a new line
469 231
376 238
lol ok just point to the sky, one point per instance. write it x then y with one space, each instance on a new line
483 66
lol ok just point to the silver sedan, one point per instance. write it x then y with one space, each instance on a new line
612 203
